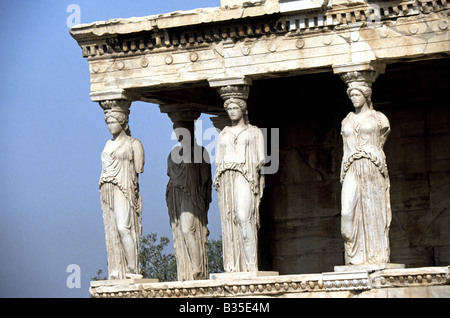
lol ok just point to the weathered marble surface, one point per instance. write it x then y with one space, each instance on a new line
304 197
122 61
268 46
122 161
241 275
368 267
425 282
365 196
188 195
240 185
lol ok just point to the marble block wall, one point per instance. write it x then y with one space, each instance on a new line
300 212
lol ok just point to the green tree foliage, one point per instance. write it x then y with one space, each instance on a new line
157 263
215 256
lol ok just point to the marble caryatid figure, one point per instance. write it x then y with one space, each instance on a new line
240 184
122 161
188 196
366 209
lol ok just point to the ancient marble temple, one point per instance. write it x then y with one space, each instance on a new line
357 91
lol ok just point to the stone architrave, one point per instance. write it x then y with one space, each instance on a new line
366 209
239 183
122 162
188 195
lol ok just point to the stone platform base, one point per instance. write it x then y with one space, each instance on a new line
368 267
242 275
122 282
424 282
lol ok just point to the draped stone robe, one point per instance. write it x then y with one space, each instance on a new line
122 161
189 181
239 159
366 209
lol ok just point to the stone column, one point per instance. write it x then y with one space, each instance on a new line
238 179
188 194
122 162
366 210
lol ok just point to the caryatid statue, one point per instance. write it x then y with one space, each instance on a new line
122 162
366 209
239 182
188 196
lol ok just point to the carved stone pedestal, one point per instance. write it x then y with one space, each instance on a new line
355 280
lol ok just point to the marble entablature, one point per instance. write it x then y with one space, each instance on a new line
138 58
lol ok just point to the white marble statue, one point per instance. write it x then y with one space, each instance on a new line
188 196
122 161
366 209
240 185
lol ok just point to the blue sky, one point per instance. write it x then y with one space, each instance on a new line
51 139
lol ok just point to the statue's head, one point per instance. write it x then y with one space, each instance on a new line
364 90
241 103
121 118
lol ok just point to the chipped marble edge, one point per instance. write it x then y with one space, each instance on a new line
170 20
207 283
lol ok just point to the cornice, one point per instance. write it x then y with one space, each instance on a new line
200 28
113 27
